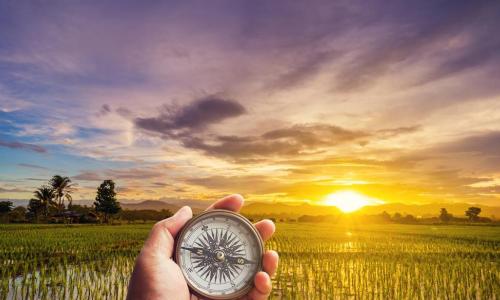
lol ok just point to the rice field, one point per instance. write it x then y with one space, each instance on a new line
318 261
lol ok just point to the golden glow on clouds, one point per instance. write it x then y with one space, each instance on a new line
349 110
350 201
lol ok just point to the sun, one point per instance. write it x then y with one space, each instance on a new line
349 201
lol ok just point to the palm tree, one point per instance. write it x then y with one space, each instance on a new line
63 188
45 195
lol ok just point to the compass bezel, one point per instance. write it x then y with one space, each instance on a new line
219 213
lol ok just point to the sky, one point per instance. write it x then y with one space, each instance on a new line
276 100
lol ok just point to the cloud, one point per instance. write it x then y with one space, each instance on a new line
286 141
32 166
14 190
485 144
392 132
315 134
474 153
304 67
105 109
228 184
88 176
160 184
115 174
20 145
133 173
416 38
296 74
196 115
35 179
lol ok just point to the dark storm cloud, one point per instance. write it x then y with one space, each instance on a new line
196 115
20 145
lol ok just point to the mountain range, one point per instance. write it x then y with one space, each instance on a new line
299 209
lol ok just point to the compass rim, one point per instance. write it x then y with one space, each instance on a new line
219 212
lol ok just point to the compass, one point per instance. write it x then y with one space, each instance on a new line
219 253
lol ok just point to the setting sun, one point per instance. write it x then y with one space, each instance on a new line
349 201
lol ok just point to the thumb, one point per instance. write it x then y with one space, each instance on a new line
161 238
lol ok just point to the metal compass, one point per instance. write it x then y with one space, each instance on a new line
219 253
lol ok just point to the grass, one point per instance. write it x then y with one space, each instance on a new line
318 261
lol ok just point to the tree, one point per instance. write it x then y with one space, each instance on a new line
6 207
409 219
18 214
397 217
35 209
385 216
444 216
473 213
105 201
63 188
45 195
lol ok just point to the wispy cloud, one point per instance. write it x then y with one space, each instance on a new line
23 146
32 166
277 98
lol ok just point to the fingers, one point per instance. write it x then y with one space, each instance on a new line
163 233
262 281
270 262
232 202
266 229
262 287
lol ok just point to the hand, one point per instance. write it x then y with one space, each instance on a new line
157 276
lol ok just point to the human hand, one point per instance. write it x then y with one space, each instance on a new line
157 276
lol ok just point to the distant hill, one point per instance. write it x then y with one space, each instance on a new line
156 205
299 209
425 210
289 209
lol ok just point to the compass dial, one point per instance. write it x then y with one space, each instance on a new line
219 253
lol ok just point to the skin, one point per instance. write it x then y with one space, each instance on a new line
157 276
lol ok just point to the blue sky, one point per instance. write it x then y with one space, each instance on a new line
277 100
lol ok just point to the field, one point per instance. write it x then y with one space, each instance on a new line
318 261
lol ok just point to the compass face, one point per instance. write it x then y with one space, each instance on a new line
219 253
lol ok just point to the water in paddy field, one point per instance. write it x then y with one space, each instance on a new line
317 261
73 282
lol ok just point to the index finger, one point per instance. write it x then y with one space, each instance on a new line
232 203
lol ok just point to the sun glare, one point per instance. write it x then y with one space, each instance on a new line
349 201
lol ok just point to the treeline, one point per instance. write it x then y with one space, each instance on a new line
53 203
471 215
